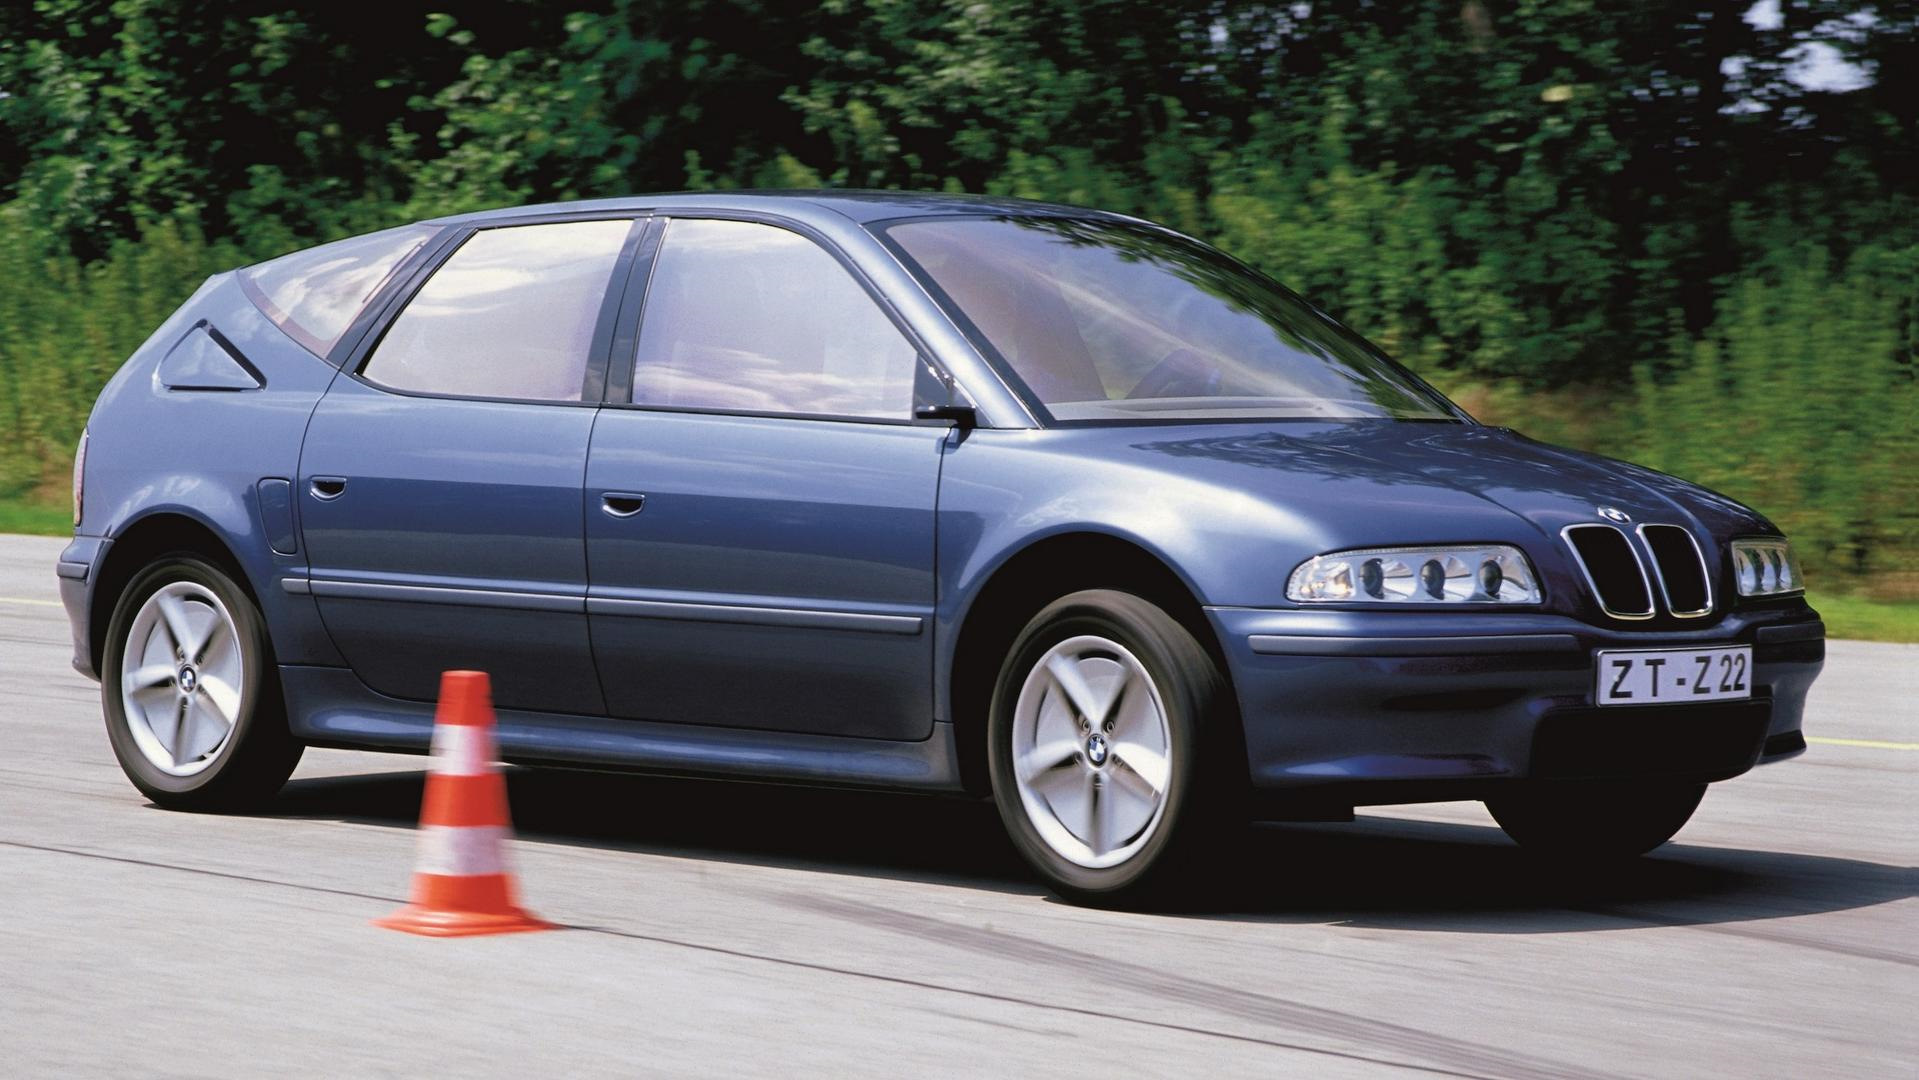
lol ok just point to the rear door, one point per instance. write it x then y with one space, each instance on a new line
760 512
440 479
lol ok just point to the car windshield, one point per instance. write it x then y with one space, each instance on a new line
1114 321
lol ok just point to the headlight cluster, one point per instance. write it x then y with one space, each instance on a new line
1765 568
1480 574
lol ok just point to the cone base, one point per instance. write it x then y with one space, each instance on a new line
439 922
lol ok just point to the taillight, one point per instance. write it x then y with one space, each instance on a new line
79 477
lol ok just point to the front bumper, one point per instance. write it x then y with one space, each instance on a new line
1353 708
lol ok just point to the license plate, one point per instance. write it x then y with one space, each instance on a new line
1667 676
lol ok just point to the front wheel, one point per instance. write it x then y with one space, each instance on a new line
1109 741
190 694
1575 820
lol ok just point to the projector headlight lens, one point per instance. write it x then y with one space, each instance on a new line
1765 568
1468 574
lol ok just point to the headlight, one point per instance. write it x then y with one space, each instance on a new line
1765 568
1477 574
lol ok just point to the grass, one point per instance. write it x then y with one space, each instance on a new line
1846 616
1868 620
34 516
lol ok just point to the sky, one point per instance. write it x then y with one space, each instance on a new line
1816 64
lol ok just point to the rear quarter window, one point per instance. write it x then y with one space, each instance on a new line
314 295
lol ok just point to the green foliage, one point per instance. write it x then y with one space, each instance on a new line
36 517
67 327
1620 226
1864 619
1800 400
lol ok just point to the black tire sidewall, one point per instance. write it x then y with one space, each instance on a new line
1191 691
259 734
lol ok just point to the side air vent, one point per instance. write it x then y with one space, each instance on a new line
1613 570
1680 568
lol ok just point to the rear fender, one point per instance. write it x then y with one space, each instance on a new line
200 455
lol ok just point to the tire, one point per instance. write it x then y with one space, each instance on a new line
1116 812
170 730
1595 820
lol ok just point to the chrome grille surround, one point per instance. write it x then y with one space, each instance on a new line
1599 594
1660 570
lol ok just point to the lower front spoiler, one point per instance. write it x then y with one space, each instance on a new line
1688 744
1365 713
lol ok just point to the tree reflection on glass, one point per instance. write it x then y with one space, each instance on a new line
1106 319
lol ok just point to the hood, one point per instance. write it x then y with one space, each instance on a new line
1437 480
1344 485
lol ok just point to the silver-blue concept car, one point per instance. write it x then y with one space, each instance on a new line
901 491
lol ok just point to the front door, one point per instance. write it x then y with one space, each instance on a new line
760 517
440 486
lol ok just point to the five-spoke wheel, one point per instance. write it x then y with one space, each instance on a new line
180 677
1106 716
1091 751
190 693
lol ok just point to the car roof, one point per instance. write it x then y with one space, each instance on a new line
860 206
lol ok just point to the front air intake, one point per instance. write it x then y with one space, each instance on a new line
1680 568
1612 569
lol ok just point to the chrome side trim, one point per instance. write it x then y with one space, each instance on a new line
805 618
1565 535
1659 572
685 611
1452 645
434 594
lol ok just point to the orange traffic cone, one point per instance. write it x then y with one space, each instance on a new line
462 885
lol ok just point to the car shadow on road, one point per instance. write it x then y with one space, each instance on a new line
1376 872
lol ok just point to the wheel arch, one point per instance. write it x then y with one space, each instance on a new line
1027 580
136 546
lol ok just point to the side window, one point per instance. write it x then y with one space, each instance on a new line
752 318
509 315
314 295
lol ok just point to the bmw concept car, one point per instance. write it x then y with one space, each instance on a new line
910 492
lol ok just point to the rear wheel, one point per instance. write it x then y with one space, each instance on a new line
190 694
1595 820
1106 748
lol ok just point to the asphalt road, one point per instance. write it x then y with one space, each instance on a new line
727 929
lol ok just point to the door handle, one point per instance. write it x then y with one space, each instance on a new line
622 504
327 487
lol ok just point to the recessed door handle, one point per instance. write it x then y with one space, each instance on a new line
622 504
327 487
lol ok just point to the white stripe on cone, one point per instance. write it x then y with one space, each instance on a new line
462 850
461 750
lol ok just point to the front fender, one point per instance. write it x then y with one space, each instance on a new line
1003 491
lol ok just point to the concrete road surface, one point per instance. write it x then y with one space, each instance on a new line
724 929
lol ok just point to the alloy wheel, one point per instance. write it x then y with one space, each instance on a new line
182 675
1092 751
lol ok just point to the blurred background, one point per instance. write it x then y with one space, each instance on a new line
1679 233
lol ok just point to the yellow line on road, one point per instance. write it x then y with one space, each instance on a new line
24 600
1868 744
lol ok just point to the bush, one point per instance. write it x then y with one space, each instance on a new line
66 327
1799 400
